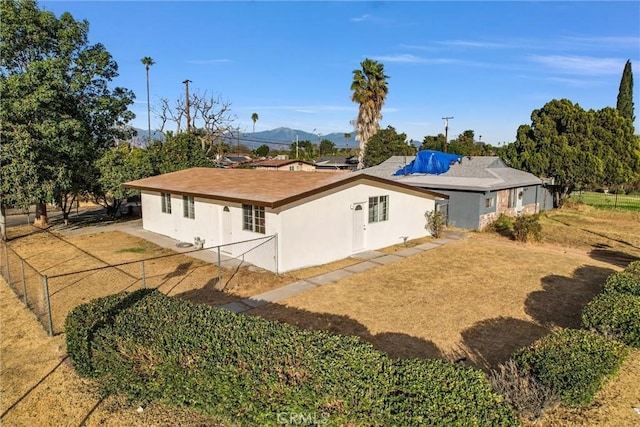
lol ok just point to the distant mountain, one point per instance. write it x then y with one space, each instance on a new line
279 138
276 138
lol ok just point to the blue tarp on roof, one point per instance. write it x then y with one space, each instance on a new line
430 161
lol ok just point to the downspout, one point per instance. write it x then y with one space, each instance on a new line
537 207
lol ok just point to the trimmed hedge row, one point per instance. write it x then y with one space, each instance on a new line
252 371
614 314
574 363
616 311
623 282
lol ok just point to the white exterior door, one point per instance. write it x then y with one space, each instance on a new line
358 228
227 233
519 196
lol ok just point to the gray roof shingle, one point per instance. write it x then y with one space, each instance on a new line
479 173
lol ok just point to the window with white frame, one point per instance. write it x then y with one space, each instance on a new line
378 208
188 207
488 202
166 202
253 218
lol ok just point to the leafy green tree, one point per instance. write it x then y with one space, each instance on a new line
263 150
386 143
433 142
576 148
182 151
58 112
305 150
370 90
625 93
119 165
327 147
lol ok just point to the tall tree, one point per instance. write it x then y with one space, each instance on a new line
625 93
254 119
148 62
326 147
386 143
370 90
576 148
58 113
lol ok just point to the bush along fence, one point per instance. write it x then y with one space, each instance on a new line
52 297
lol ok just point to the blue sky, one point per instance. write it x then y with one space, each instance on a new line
486 64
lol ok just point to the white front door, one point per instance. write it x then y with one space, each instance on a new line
227 236
358 228
519 196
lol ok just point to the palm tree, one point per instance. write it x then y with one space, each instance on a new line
370 91
148 62
254 117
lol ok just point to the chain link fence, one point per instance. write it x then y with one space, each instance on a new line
51 297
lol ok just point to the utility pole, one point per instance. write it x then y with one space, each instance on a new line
446 131
186 82
238 128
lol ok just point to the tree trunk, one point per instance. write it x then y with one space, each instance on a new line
41 219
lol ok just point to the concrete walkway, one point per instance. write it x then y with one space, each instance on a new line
369 260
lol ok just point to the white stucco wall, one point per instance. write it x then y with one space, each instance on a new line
321 230
311 231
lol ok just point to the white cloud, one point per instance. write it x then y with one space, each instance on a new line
584 65
412 59
365 17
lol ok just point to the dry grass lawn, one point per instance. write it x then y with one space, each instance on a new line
475 301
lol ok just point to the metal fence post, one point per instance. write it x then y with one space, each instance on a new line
24 283
45 281
144 277
6 258
276 254
219 266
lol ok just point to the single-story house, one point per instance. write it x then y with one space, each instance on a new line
349 163
480 188
284 164
317 217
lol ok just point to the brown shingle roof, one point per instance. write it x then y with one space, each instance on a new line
261 187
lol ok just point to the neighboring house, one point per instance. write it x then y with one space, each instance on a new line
232 161
480 188
318 217
281 165
337 163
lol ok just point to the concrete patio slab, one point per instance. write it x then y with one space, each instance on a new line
427 246
333 276
367 255
387 259
279 293
443 241
408 252
362 266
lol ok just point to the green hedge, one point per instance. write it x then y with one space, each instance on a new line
633 269
623 282
572 362
615 314
258 372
